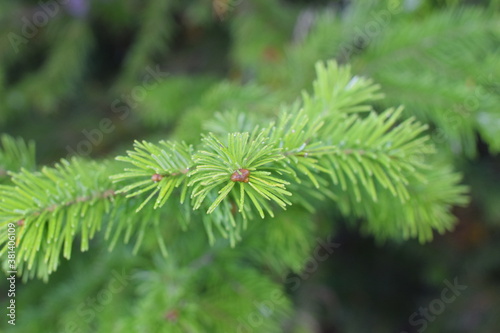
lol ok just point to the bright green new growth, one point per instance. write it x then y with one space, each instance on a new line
51 207
216 164
329 146
170 160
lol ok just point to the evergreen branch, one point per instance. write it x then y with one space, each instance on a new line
289 238
55 205
335 90
445 84
203 289
427 208
327 151
165 165
231 121
327 147
445 40
241 159
48 207
376 150
324 149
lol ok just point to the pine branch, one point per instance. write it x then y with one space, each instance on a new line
54 206
166 167
47 205
240 159
365 157
326 147
289 239
440 69
336 90
426 210
212 306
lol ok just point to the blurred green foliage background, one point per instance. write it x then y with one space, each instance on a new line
158 69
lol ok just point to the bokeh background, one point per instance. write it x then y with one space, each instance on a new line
162 68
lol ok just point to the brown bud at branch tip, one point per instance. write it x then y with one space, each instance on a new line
156 177
241 175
